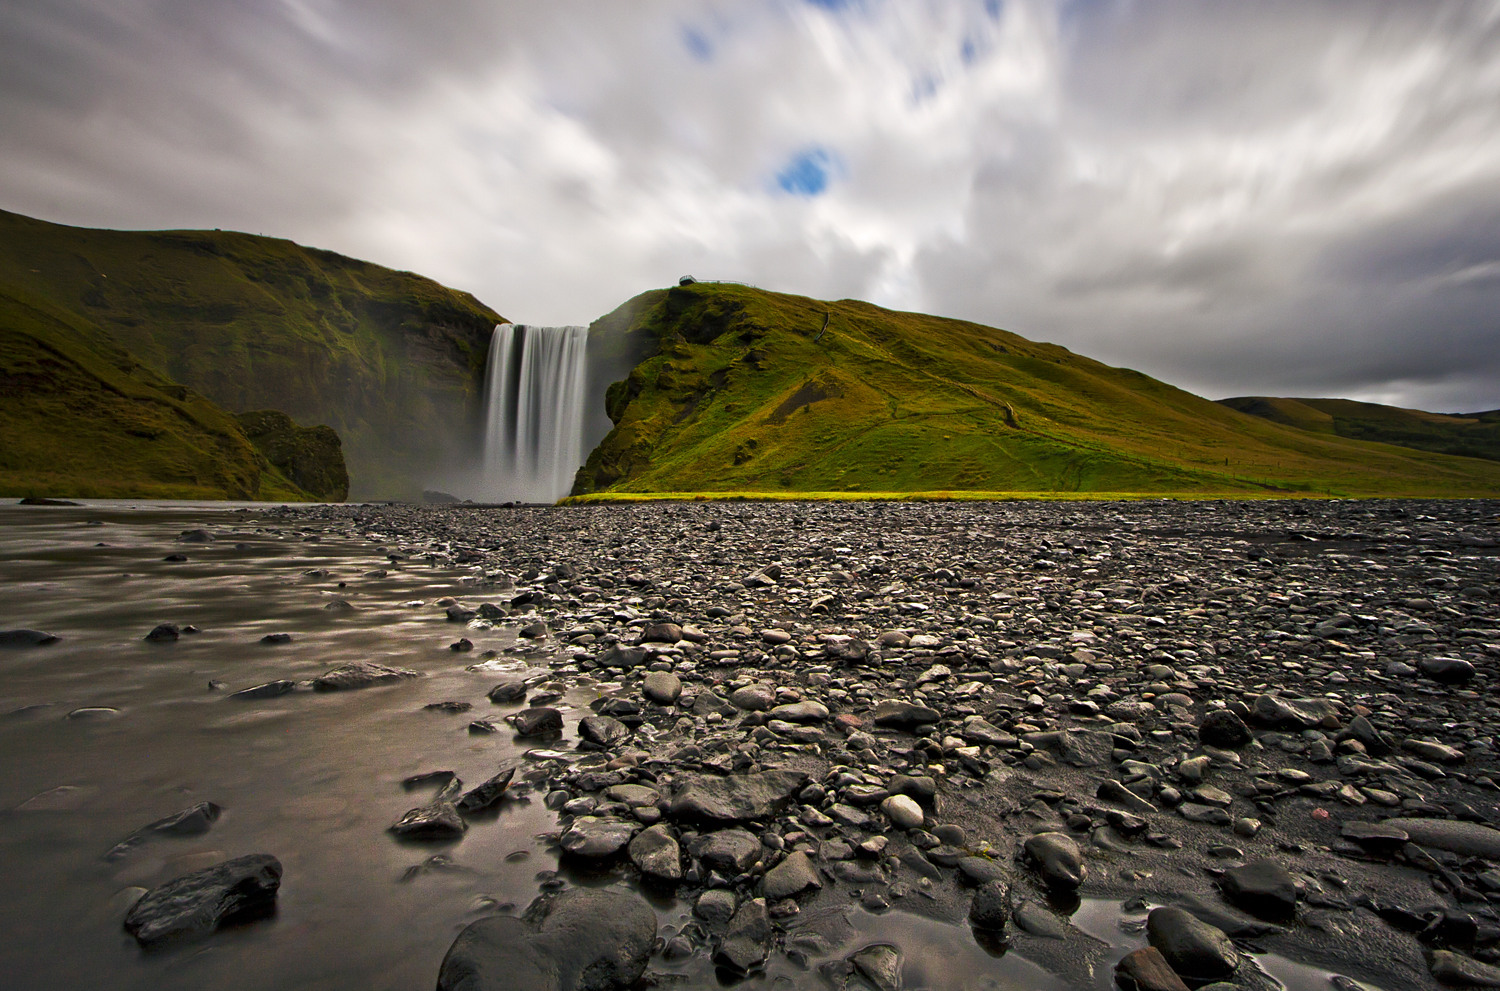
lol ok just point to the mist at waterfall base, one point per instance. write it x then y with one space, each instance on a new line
536 390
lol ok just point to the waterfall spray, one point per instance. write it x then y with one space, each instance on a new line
534 405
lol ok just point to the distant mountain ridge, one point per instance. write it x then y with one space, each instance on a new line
1471 435
392 361
747 390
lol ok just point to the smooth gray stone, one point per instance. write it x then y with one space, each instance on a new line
619 656
1147 970
1467 838
584 939
198 903
716 905
508 691
536 721
25 638
1035 920
800 712
904 715
361 674
1058 858
662 687
1196 950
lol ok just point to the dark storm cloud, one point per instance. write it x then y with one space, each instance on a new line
1289 198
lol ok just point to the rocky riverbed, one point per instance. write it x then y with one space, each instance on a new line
1013 745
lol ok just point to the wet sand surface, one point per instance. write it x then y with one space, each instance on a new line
1033 619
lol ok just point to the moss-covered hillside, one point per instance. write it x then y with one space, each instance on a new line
1472 435
757 391
391 361
81 417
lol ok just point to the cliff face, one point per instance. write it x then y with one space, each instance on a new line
391 361
311 458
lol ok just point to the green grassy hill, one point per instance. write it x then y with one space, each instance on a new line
748 392
391 361
1472 435
80 417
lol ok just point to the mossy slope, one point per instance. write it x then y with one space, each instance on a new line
391 361
748 392
80 417
1472 435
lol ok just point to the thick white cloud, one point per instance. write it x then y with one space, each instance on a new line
1297 198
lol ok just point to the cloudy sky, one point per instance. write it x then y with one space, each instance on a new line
1297 198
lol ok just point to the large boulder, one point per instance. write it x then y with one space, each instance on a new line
1196 950
736 797
198 903
1263 888
584 939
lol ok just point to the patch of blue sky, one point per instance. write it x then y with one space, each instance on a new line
994 8
808 172
698 44
834 5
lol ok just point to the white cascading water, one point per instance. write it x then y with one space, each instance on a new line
534 400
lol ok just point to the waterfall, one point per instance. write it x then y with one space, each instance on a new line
534 412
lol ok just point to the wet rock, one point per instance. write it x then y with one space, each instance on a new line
25 638
1466 838
452 707
655 852
437 820
1376 837
1058 859
799 712
269 690
164 633
1222 728
662 687
508 691
716 906
1197 951
729 851
584 939
747 940
904 715
990 907
792 876
482 797
597 837
1263 888
361 674
736 797
196 904
1035 920
880 964
1457 970
603 732
1147 970
536 721
189 822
